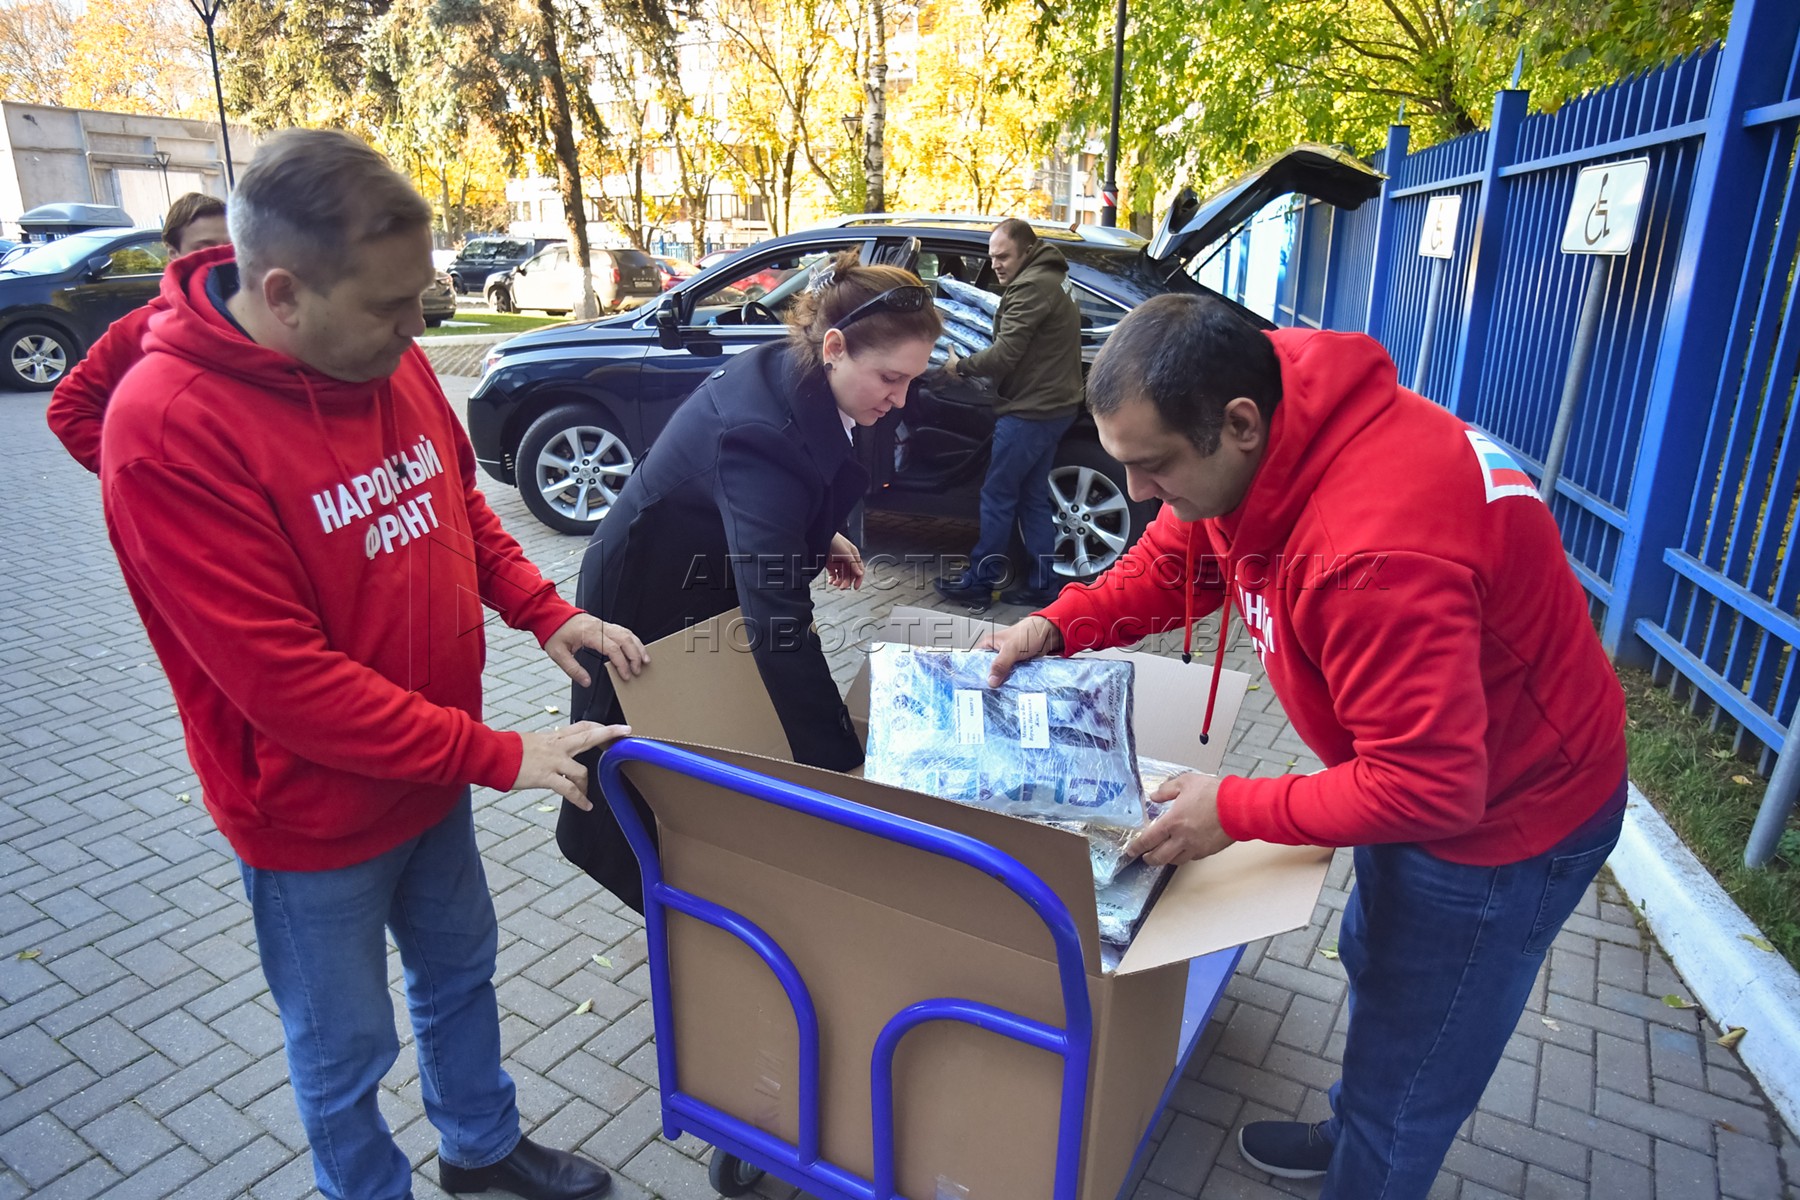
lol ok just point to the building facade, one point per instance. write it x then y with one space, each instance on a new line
52 155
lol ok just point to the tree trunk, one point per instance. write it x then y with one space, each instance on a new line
568 161
444 180
875 108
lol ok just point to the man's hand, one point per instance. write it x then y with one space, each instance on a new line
588 632
1189 828
549 759
1034 637
844 565
950 365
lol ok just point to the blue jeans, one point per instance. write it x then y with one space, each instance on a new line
1441 959
1015 488
324 953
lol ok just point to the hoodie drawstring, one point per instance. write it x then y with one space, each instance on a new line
1187 642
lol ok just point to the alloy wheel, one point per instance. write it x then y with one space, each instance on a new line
39 358
1093 521
580 471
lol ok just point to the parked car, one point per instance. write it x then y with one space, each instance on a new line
551 282
753 284
674 270
565 414
481 257
58 297
440 300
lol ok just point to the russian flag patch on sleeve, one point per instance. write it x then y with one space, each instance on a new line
1499 472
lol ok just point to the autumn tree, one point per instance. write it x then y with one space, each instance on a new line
35 38
790 64
1214 85
967 129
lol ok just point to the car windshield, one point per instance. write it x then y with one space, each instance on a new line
59 255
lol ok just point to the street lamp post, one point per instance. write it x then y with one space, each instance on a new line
162 164
1109 191
208 12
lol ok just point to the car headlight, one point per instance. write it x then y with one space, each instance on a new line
491 361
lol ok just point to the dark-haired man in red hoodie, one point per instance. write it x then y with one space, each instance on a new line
294 506
1409 598
195 222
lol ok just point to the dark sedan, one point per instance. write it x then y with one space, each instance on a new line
56 299
566 413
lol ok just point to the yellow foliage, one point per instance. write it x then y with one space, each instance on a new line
139 56
964 132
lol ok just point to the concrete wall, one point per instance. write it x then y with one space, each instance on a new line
50 154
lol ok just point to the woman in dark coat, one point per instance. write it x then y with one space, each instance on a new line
740 503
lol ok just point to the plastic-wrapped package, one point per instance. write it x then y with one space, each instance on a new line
1121 903
1053 743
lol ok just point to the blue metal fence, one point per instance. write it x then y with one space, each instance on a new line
1681 484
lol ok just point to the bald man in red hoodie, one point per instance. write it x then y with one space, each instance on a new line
1409 598
293 504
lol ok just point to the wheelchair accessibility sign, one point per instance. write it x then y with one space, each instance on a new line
1603 217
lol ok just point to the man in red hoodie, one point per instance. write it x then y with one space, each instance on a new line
195 222
293 503
1409 598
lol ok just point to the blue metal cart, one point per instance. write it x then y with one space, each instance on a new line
742 1152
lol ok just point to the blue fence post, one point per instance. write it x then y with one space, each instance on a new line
1485 263
1752 71
1399 136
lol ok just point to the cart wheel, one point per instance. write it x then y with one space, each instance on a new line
730 1175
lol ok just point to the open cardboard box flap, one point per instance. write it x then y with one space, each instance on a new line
702 690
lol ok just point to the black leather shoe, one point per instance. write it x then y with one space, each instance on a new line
962 589
532 1171
1030 597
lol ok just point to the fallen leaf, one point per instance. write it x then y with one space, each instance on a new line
1731 1037
551 708
1741 780
603 961
1549 1024
1720 754
28 955
546 808
586 1006
184 798
1674 1001
1727 1126
1761 943
1254 687
1329 951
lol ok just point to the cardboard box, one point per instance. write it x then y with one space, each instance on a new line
873 926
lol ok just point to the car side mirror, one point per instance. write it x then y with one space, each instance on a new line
668 323
99 265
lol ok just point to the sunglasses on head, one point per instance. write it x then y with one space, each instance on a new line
908 298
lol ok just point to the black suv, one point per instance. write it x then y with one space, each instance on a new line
566 413
56 299
490 255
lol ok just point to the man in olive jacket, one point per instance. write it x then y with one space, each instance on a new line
1035 363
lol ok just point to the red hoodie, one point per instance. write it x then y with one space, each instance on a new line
1409 597
306 555
78 404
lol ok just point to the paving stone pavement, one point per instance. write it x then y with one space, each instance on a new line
140 1053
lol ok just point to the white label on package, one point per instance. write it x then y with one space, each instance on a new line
969 729
1034 721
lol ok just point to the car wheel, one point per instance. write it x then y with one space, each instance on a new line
1095 518
500 299
571 467
37 356
433 322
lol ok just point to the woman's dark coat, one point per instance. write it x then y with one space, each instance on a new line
734 506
